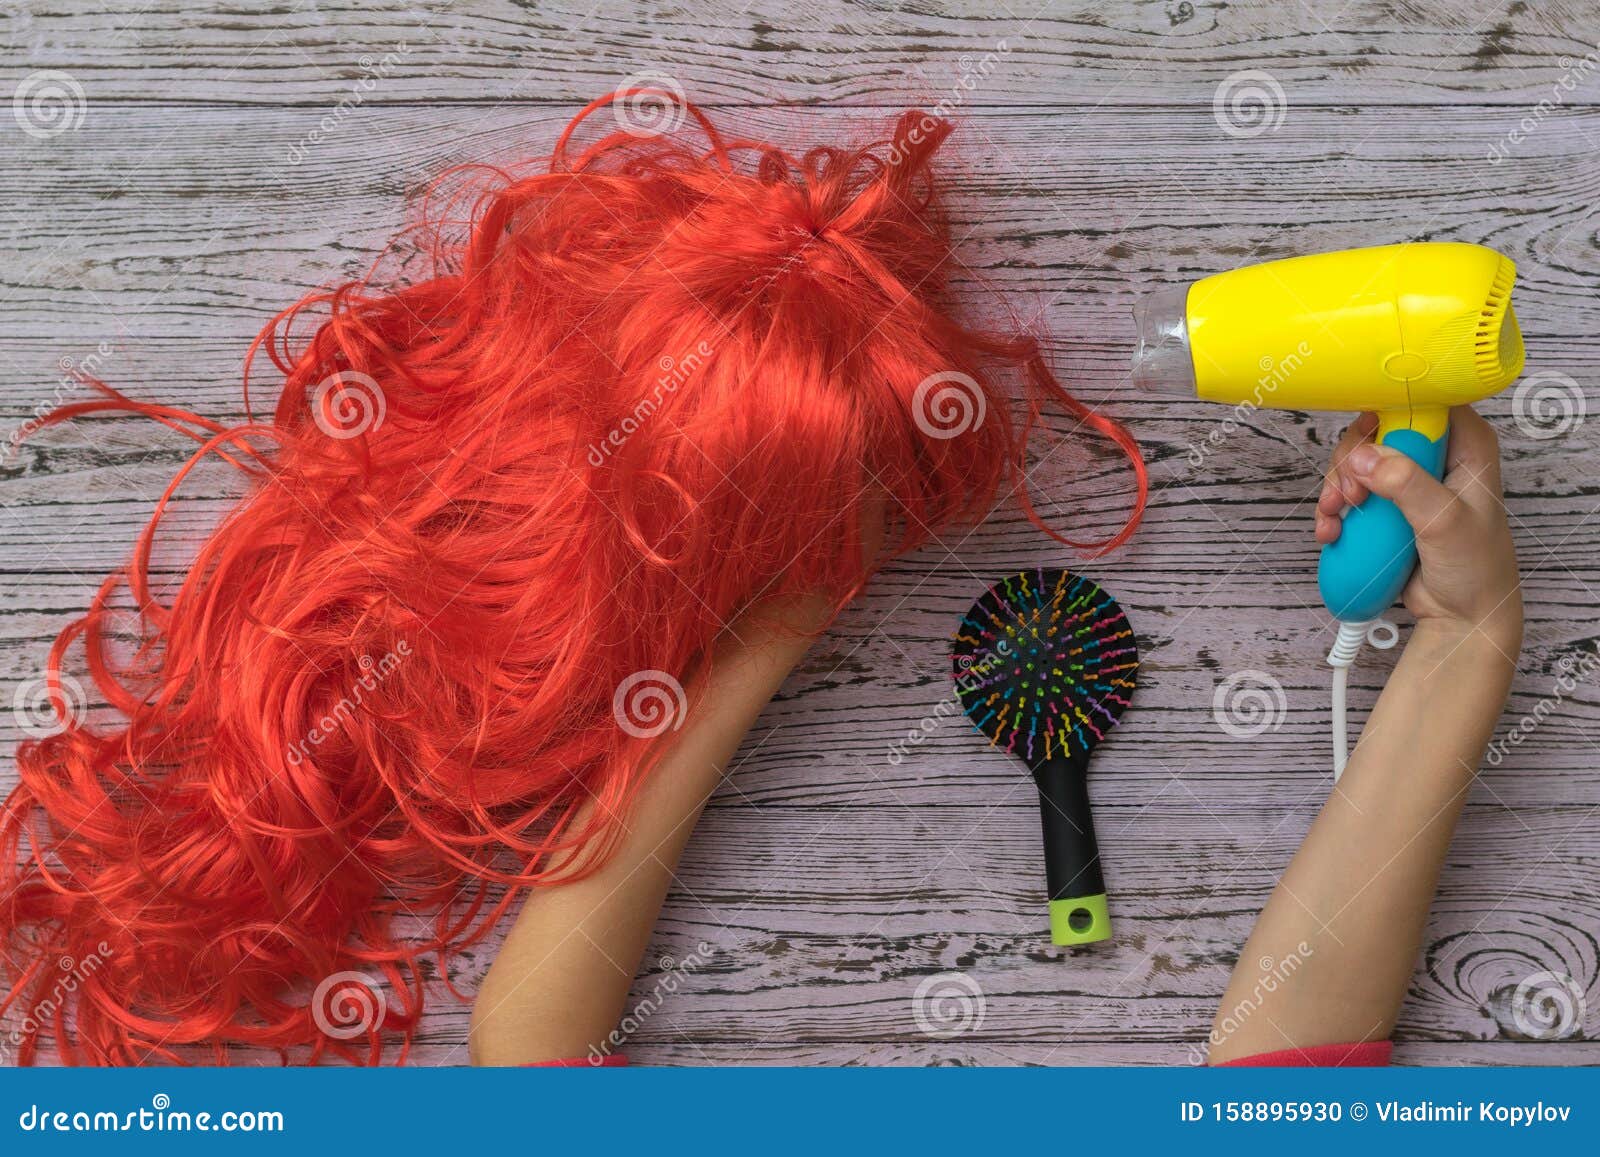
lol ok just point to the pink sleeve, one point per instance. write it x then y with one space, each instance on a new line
606 1062
1360 1055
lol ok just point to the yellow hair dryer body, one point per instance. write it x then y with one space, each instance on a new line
1405 330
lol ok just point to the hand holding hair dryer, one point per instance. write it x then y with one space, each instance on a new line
1404 330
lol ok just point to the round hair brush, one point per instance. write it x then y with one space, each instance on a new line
1045 664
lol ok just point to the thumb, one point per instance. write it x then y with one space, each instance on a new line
1432 508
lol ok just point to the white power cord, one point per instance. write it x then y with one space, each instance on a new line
1378 633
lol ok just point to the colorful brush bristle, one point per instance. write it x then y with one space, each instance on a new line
1045 664
1045 661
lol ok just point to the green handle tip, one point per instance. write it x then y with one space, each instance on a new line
1083 920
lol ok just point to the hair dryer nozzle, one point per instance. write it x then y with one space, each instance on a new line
1162 363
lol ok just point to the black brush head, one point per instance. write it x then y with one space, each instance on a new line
1045 664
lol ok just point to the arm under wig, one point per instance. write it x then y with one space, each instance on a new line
651 385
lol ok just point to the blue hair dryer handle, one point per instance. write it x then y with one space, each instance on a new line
1363 572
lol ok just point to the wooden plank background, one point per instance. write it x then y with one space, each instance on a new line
829 879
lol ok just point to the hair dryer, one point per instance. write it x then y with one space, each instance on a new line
1404 330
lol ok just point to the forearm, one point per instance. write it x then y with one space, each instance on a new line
562 978
1341 932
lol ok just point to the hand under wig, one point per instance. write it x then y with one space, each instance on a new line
645 388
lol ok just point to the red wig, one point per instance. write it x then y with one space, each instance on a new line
494 512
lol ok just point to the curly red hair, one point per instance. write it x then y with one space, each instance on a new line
651 383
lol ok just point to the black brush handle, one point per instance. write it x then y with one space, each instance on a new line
1078 912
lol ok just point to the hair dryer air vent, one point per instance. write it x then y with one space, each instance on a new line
1497 345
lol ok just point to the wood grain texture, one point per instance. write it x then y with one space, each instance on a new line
765 51
866 842
184 222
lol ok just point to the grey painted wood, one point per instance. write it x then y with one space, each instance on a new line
835 872
185 222
765 51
